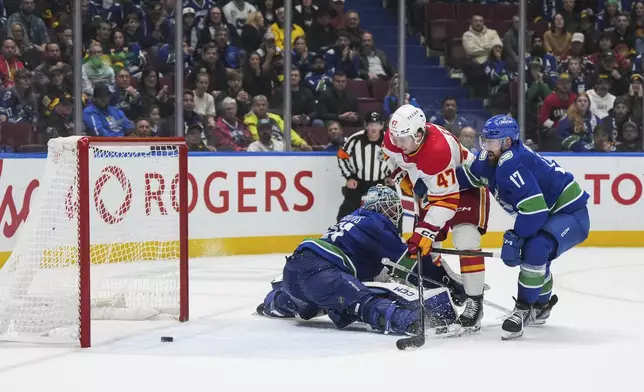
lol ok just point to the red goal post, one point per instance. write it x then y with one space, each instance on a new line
84 145
106 239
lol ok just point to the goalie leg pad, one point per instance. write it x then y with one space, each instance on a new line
384 315
439 305
279 304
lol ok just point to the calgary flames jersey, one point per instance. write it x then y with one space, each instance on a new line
434 163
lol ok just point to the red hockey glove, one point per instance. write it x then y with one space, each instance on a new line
422 239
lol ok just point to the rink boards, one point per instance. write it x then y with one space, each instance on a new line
266 203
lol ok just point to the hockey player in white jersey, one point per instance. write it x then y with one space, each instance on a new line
424 157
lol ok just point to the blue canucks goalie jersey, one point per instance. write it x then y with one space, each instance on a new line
358 243
526 185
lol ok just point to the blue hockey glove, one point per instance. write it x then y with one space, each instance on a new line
511 251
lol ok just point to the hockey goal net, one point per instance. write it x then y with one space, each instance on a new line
107 238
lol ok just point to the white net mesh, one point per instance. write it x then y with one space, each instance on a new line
134 226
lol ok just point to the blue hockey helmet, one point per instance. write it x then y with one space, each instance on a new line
384 200
500 127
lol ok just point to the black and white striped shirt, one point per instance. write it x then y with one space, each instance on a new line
361 159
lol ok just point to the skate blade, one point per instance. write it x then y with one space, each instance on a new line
511 335
537 322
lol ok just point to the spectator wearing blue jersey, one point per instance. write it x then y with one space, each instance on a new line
449 118
390 102
548 61
101 119
579 81
18 104
605 18
110 12
499 78
229 54
341 58
319 77
576 129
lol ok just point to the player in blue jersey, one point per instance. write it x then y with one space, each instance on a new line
550 210
326 275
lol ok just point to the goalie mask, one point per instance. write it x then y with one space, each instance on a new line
384 200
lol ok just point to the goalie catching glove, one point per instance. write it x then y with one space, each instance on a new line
422 239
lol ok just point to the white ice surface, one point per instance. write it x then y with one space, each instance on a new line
594 341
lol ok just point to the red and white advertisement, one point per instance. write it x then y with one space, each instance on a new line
251 196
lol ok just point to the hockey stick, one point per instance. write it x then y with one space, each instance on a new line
466 252
391 264
416 340
419 339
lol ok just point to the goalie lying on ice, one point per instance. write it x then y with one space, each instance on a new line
326 275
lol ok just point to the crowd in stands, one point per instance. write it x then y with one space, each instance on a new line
233 55
583 69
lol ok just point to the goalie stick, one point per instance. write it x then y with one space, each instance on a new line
392 264
419 339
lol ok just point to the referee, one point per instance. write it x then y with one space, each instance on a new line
361 164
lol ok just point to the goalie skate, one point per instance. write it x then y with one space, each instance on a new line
521 317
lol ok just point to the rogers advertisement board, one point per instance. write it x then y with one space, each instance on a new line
246 195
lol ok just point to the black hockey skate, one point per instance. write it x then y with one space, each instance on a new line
542 312
521 317
472 314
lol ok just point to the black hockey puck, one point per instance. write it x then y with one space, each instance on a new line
167 339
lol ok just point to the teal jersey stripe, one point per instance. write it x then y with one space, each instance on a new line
472 178
571 193
532 205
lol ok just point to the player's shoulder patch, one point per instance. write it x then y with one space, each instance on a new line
506 156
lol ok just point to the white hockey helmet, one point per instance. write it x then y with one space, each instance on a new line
406 121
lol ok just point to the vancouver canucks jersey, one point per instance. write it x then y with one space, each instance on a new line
526 185
358 243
